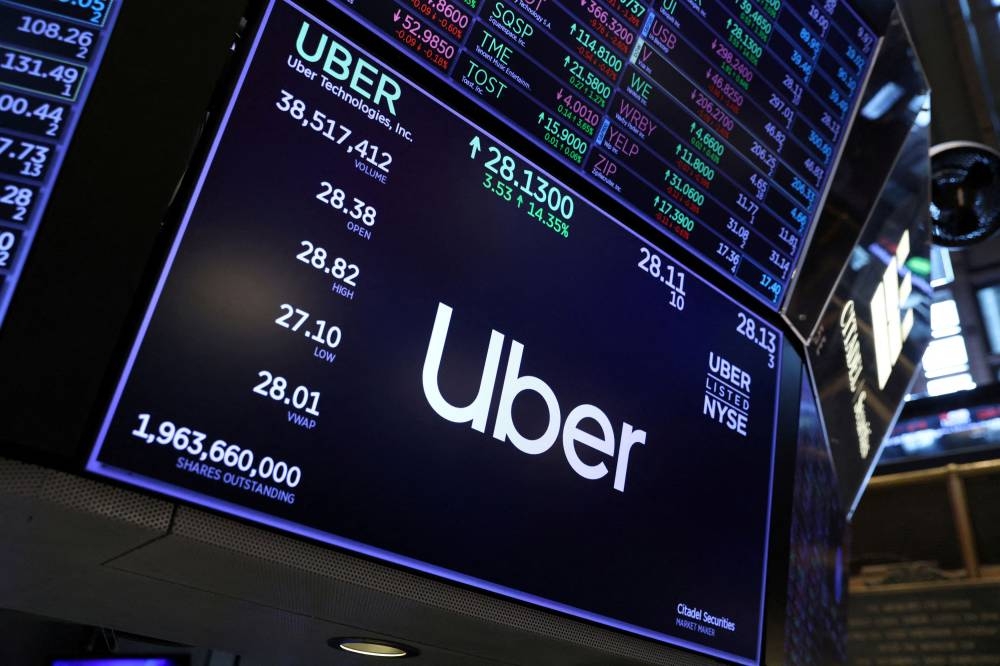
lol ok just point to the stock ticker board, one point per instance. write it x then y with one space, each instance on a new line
49 54
716 122
467 370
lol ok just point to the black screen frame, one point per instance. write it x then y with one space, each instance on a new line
772 619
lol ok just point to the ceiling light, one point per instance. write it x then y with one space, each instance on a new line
370 647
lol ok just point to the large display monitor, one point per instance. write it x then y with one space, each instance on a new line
381 327
718 123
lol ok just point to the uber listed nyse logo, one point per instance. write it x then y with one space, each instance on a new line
476 412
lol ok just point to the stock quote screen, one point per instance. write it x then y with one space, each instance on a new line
49 54
458 366
716 122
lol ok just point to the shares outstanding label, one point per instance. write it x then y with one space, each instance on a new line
380 327
718 123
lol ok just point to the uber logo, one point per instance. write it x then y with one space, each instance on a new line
476 412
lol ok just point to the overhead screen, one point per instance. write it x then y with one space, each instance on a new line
381 327
716 122
49 54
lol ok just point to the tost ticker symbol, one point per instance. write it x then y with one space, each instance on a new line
892 320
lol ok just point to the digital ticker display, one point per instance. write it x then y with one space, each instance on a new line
718 123
49 54
458 366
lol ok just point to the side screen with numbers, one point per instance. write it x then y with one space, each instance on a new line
50 51
407 340
718 123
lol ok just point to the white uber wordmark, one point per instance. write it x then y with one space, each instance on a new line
476 413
